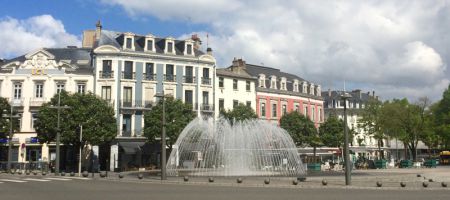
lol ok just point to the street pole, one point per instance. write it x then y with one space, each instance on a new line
346 148
163 140
81 142
58 132
8 167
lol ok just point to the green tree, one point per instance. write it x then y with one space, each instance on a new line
442 119
372 122
5 111
331 132
239 113
95 114
178 116
301 129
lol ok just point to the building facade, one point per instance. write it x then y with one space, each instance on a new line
29 81
129 71
278 93
363 144
234 86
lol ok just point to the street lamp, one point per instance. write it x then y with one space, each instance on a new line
10 136
346 96
163 136
58 132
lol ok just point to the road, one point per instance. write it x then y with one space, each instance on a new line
20 188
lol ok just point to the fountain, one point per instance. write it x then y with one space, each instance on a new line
208 147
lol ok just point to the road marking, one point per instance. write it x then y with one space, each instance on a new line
34 179
79 178
14 181
58 179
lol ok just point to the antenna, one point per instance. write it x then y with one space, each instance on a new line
207 40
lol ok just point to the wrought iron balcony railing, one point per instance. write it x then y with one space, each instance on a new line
106 74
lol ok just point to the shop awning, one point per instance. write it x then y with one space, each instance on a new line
131 147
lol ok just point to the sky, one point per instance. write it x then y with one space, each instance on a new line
399 49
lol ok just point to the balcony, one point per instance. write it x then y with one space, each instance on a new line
128 75
16 102
132 133
189 79
205 107
206 81
169 78
36 102
136 104
149 77
106 74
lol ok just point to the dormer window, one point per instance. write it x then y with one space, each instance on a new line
189 47
169 45
128 41
262 80
273 82
295 88
283 83
305 88
318 91
311 89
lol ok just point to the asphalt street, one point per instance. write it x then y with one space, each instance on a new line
44 188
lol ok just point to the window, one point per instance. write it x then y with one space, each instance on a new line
284 109
319 115
128 45
221 82
169 73
128 70
33 119
60 87
313 113
17 90
249 104
297 107
189 49
126 125
235 103
247 85
305 110
274 110
81 87
169 47
189 74
283 86
205 79
127 96
205 99
106 69
39 90
221 104
261 83
188 96
149 74
235 84
262 109
273 85
149 45
106 93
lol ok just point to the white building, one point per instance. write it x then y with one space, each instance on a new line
234 86
32 79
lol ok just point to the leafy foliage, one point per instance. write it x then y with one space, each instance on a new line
239 113
5 111
372 121
178 115
301 129
442 119
331 132
95 114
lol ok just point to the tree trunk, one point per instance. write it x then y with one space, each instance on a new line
314 153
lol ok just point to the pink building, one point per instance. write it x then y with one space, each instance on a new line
278 93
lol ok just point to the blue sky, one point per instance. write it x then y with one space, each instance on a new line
397 48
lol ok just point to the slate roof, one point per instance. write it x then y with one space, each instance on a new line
71 55
229 73
357 96
116 39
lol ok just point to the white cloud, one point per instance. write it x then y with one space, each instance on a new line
394 47
19 37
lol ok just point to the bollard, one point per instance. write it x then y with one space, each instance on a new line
418 175
120 175
239 180
324 182
103 174
44 173
211 179
27 173
72 173
63 173
266 181
444 184
35 173
425 184
140 176
430 180
19 172
379 184
85 174
402 184
186 178
294 182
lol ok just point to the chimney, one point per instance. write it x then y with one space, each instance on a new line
197 41
373 93
238 65
329 92
209 51
98 30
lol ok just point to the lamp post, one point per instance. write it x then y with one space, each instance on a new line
163 136
58 132
346 96
10 136
81 142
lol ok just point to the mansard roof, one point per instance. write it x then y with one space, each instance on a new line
229 73
356 96
116 39
256 70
